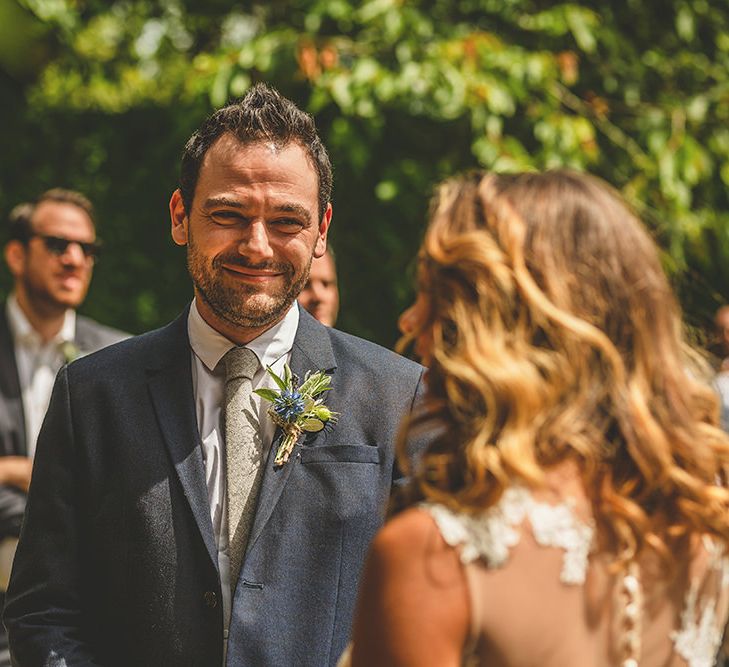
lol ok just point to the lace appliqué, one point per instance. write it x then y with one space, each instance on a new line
557 526
491 534
702 623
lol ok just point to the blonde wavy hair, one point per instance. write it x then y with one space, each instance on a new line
553 334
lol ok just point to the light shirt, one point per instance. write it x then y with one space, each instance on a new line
272 348
721 384
38 362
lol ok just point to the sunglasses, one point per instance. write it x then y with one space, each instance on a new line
57 245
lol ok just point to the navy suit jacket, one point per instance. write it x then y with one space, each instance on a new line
117 563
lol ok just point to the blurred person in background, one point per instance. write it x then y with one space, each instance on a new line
721 322
320 296
721 381
51 252
575 509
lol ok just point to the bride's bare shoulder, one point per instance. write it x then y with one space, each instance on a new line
412 529
413 604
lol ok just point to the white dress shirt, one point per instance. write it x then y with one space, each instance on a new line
38 362
273 348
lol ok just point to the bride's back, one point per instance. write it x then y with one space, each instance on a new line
540 596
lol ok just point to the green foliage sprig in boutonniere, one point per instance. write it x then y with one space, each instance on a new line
297 408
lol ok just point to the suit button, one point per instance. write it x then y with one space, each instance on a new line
211 599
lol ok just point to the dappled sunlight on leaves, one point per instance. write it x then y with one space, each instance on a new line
406 92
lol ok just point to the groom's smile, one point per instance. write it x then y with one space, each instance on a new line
251 275
252 232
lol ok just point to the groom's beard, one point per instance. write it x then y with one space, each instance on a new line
240 304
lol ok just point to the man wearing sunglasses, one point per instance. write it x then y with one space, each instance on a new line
51 252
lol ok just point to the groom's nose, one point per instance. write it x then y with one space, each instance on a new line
255 243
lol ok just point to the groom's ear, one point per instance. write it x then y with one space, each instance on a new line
178 218
321 242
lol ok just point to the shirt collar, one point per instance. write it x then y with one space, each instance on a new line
22 329
210 346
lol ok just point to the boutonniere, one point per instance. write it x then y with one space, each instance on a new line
69 351
297 408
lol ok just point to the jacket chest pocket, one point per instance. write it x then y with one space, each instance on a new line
341 483
341 454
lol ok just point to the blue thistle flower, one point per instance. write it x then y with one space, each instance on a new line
289 405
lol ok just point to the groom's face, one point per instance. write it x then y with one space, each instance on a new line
251 233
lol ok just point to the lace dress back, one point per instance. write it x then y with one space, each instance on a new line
541 597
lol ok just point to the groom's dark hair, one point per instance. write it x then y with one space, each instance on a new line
262 114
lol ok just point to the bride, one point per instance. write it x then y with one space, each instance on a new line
574 510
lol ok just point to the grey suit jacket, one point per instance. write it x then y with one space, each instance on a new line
117 563
90 336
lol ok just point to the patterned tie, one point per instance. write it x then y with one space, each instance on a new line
242 453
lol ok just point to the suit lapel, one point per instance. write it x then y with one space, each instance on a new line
84 338
81 337
170 386
10 382
312 351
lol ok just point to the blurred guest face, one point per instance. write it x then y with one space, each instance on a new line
722 324
52 275
320 295
251 234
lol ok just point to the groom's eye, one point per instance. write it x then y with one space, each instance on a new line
288 225
226 217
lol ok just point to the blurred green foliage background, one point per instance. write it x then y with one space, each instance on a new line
101 96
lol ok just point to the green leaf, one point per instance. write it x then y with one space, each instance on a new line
581 21
315 384
386 190
239 84
312 425
219 91
281 383
268 394
685 23
697 107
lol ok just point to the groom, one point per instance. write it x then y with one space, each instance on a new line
159 529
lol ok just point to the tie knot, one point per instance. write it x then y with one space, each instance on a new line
240 362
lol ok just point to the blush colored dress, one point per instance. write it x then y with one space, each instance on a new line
540 597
